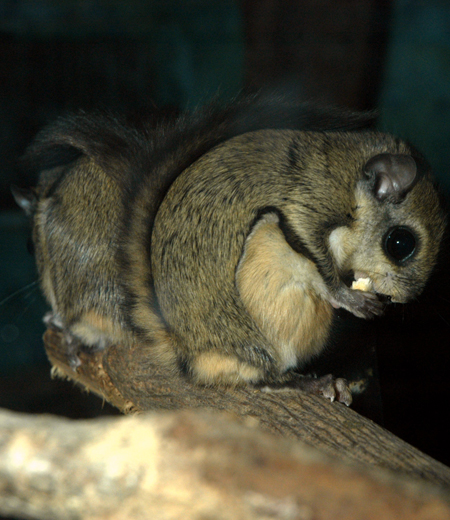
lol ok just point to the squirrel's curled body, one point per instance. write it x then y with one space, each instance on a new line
221 251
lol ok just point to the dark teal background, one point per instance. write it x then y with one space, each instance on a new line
415 98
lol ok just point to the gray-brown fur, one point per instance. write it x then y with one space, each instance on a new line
309 180
76 244
141 232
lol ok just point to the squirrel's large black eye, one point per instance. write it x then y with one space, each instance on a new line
400 244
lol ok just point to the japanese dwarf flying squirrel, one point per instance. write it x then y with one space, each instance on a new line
223 240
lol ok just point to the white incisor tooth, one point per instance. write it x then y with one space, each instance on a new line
362 284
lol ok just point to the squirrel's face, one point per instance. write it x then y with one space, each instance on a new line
393 243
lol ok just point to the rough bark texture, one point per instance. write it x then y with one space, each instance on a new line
126 378
189 465
195 464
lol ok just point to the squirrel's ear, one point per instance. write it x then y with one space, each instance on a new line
25 198
391 176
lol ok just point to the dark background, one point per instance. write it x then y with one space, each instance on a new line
56 56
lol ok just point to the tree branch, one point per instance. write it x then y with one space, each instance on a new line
188 465
126 378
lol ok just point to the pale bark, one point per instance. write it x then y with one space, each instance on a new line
188 465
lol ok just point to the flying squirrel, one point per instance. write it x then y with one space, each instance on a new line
223 240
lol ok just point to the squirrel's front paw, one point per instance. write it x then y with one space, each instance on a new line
360 303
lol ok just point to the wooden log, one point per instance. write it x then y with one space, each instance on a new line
127 378
186 464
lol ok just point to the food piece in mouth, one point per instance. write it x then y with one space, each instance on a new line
362 284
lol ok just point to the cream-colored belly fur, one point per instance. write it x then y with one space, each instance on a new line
284 294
